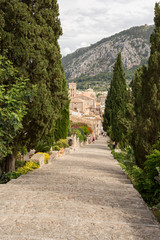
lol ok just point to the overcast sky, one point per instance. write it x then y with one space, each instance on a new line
85 22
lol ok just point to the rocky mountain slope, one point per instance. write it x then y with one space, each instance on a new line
99 58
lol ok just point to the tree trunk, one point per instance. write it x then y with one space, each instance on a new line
8 164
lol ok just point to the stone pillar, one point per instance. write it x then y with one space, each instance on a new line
74 140
78 143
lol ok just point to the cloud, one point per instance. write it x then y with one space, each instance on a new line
66 51
90 21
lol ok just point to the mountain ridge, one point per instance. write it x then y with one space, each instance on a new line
99 58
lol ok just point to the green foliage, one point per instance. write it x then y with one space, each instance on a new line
99 82
62 124
86 130
70 131
29 38
81 130
152 163
62 143
38 122
80 135
56 148
23 150
146 97
146 183
141 122
143 179
20 164
116 105
12 106
42 147
30 166
126 159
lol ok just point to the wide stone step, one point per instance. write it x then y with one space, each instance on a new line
110 199
55 205
62 228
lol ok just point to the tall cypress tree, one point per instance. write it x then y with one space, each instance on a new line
115 109
107 113
147 98
62 123
29 33
139 125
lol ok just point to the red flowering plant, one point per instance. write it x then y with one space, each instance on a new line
83 127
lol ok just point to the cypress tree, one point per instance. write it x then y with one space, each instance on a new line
29 33
139 125
107 113
146 92
115 108
62 123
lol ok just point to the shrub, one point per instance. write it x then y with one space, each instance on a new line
23 150
79 135
85 130
56 148
30 166
143 179
42 147
70 132
81 130
152 163
20 164
90 130
63 143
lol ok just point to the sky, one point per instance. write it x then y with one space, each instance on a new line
85 22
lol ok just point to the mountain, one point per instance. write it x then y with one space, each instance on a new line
93 65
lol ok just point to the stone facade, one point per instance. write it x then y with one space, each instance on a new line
90 101
102 99
77 104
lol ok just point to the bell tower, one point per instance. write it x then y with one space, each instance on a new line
72 90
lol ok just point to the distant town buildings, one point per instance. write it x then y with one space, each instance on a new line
86 107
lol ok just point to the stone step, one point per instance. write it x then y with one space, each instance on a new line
71 229
40 208
90 197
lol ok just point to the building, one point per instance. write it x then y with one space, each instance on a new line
77 104
90 101
72 90
102 99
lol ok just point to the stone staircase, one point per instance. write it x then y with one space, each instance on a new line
83 195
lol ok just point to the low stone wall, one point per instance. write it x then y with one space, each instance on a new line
38 158
76 143
53 156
